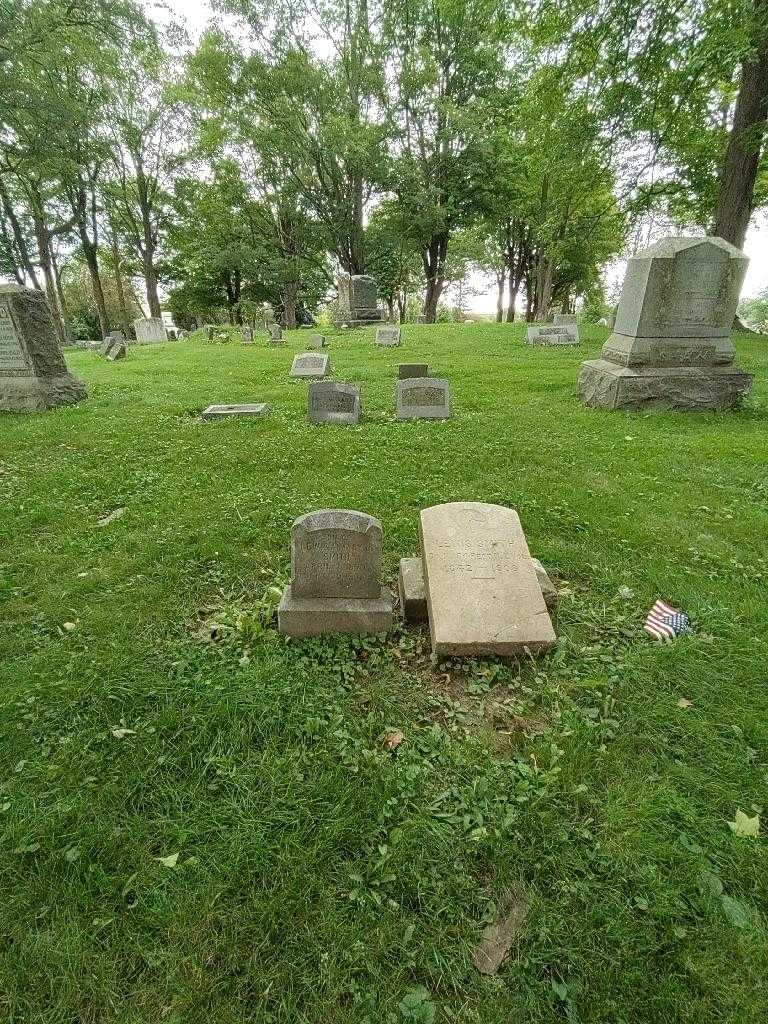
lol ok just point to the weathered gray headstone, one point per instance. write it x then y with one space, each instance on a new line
275 334
247 335
149 331
33 374
269 315
671 343
408 370
564 318
220 412
358 300
181 335
330 401
335 588
117 350
317 341
311 364
557 334
482 591
112 339
423 398
388 336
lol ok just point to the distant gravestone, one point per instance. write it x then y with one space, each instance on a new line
335 588
423 398
330 401
269 315
317 341
358 300
118 350
671 342
562 334
408 370
564 318
33 374
388 336
275 334
220 412
247 335
181 335
310 364
150 331
482 592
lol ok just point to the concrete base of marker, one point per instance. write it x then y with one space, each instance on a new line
33 394
313 616
607 385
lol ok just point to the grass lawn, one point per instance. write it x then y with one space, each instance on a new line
318 877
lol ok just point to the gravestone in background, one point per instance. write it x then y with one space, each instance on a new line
335 588
149 331
482 592
33 374
117 350
558 334
330 401
318 341
247 335
275 334
564 318
358 300
310 364
269 315
220 412
406 370
388 336
671 342
423 398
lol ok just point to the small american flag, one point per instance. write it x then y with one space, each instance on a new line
665 622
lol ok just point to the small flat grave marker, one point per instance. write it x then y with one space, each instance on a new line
405 371
423 398
561 334
220 412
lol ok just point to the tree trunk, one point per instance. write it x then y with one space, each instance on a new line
92 262
742 156
126 325
18 236
150 280
433 259
501 280
290 291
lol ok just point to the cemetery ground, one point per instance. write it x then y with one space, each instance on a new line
204 821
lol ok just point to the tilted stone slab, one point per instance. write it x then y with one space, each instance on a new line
331 401
564 334
221 412
423 398
482 591
118 350
311 364
33 374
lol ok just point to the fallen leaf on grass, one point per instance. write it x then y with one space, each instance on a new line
111 517
392 740
685 703
169 861
494 944
120 733
744 826
69 627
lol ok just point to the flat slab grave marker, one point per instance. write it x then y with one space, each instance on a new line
33 374
671 342
389 337
310 364
423 398
331 401
220 412
318 341
275 334
150 331
482 591
335 588
562 334
405 371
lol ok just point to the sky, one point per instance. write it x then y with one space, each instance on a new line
195 15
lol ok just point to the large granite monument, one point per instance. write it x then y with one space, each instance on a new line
358 300
671 342
335 588
33 374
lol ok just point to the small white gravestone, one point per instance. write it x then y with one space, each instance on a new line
318 341
311 364
562 334
150 331
423 398
388 336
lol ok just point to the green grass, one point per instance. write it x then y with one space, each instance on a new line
320 878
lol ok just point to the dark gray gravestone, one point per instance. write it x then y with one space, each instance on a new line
423 398
335 588
318 341
358 300
117 350
333 402
406 370
311 364
33 374
275 334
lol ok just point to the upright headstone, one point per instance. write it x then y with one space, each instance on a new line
335 588
408 370
269 315
389 336
423 398
358 300
317 341
482 591
149 331
275 334
311 364
671 342
330 401
557 334
247 335
564 318
181 335
33 374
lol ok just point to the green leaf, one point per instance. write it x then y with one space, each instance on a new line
169 861
417 1005
744 826
735 911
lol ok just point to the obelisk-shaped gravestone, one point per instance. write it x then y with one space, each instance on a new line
33 374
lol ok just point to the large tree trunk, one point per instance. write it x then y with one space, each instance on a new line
126 325
150 280
18 236
742 155
290 291
501 280
92 262
514 288
46 264
433 259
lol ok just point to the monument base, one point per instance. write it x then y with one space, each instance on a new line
312 616
607 385
358 318
33 394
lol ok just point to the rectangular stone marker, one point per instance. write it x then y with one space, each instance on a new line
564 318
149 331
482 591
406 371
247 336
334 588
275 334
423 398
565 334
219 412
332 402
310 364
388 336
33 374
318 341
118 350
